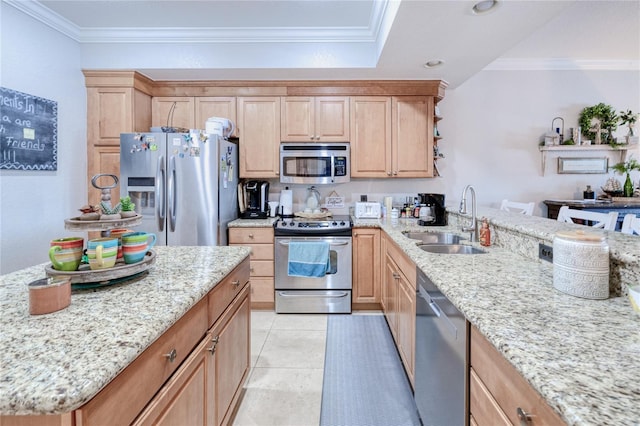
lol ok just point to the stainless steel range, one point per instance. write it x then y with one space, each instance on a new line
328 293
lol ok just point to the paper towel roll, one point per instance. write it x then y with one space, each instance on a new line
388 204
286 201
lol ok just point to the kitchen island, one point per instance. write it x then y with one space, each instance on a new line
582 356
57 363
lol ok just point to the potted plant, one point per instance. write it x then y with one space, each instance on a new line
127 207
598 119
626 168
629 119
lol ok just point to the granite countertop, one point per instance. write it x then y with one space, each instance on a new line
581 355
54 363
253 223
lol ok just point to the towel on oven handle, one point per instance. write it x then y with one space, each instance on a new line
308 258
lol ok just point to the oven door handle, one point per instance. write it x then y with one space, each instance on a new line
341 243
333 295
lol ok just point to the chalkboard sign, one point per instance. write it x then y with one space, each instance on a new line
28 131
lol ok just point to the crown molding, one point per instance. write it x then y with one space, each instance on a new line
560 64
363 34
45 15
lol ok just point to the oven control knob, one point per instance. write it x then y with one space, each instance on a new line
342 223
334 223
291 224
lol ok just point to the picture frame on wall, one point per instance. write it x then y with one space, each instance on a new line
591 165
28 132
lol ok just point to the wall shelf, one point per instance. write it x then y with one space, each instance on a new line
579 148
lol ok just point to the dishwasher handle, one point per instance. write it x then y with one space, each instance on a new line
443 317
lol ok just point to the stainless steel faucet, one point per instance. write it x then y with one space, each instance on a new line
473 229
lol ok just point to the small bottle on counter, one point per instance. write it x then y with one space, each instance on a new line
588 194
485 233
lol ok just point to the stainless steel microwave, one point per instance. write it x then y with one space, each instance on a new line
314 163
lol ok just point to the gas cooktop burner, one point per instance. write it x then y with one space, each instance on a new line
325 226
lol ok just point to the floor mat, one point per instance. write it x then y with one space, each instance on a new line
364 380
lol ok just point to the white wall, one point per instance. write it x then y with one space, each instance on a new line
494 122
42 62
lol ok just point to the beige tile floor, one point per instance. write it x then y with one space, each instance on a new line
287 359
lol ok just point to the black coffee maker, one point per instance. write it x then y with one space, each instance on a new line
255 204
435 202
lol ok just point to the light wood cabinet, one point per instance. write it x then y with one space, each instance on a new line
192 112
498 392
315 119
261 241
189 375
230 345
400 303
207 107
371 136
259 133
117 102
412 136
366 268
392 136
176 111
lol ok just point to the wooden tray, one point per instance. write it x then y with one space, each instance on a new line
628 200
75 224
87 278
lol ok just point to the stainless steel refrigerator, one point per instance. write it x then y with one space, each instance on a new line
183 184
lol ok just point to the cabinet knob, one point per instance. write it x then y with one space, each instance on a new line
236 283
388 173
215 340
171 356
251 236
524 417
396 275
395 173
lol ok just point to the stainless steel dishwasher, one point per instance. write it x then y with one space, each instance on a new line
442 353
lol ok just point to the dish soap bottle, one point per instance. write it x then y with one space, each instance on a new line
485 233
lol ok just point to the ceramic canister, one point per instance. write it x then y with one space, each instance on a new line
581 264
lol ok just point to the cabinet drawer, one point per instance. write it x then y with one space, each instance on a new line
261 252
407 267
224 292
262 290
483 407
262 268
250 235
126 395
510 390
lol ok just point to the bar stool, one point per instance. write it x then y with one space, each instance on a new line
514 206
601 220
631 224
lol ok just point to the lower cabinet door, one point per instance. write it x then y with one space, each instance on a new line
231 356
183 399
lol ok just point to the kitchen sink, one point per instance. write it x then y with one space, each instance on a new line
451 249
434 237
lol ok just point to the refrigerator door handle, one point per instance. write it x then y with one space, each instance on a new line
161 192
173 197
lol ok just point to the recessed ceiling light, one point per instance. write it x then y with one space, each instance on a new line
484 6
433 63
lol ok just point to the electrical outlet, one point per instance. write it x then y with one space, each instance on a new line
545 252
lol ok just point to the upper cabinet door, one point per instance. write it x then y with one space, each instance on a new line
297 120
412 136
164 113
332 119
224 107
259 132
371 136
315 119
